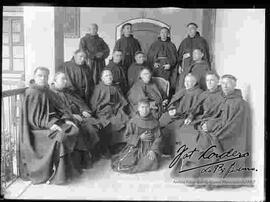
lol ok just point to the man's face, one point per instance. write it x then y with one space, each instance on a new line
41 77
192 30
117 57
139 58
143 109
93 29
127 30
211 82
79 58
145 76
190 82
164 34
228 85
197 55
107 77
60 81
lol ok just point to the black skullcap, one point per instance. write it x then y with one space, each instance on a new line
123 26
139 52
229 76
192 23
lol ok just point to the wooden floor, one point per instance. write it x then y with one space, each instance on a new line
101 183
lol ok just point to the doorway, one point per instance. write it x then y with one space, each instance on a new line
145 30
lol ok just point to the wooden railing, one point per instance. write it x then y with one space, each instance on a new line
11 129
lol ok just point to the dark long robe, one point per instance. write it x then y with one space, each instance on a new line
76 105
162 52
133 72
119 76
41 148
133 158
230 130
79 79
92 45
129 46
199 70
149 91
183 101
108 105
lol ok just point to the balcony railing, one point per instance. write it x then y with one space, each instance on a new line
11 129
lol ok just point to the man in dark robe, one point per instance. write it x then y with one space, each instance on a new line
179 108
145 88
142 152
80 111
96 51
49 136
136 67
198 68
224 134
109 105
78 76
162 56
119 76
128 45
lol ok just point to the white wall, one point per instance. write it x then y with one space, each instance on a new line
39 39
109 18
240 50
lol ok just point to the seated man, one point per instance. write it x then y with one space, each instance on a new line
49 136
108 105
208 102
178 110
136 67
119 77
78 75
144 88
223 134
80 111
143 143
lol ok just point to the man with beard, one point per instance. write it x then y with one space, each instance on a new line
96 51
49 137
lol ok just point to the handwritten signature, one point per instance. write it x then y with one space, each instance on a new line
217 160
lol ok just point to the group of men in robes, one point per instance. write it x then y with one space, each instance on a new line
91 111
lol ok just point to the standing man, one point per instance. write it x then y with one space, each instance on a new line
162 55
191 42
96 51
128 45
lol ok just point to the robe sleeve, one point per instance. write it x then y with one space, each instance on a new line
80 103
151 55
105 49
117 45
197 109
173 57
131 136
83 46
180 53
207 54
156 146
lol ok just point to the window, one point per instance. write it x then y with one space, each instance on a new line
13 45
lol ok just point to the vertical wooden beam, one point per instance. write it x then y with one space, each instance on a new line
208 31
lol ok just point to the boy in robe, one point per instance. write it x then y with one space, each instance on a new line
109 106
198 68
78 75
96 51
228 132
128 45
136 67
142 152
162 55
145 88
119 76
178 110
49 136
80 111
191 42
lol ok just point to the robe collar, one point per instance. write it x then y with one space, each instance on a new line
218 89
167 40
196 35
35 86
145 122
130 36
92 36
192 89
237 93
